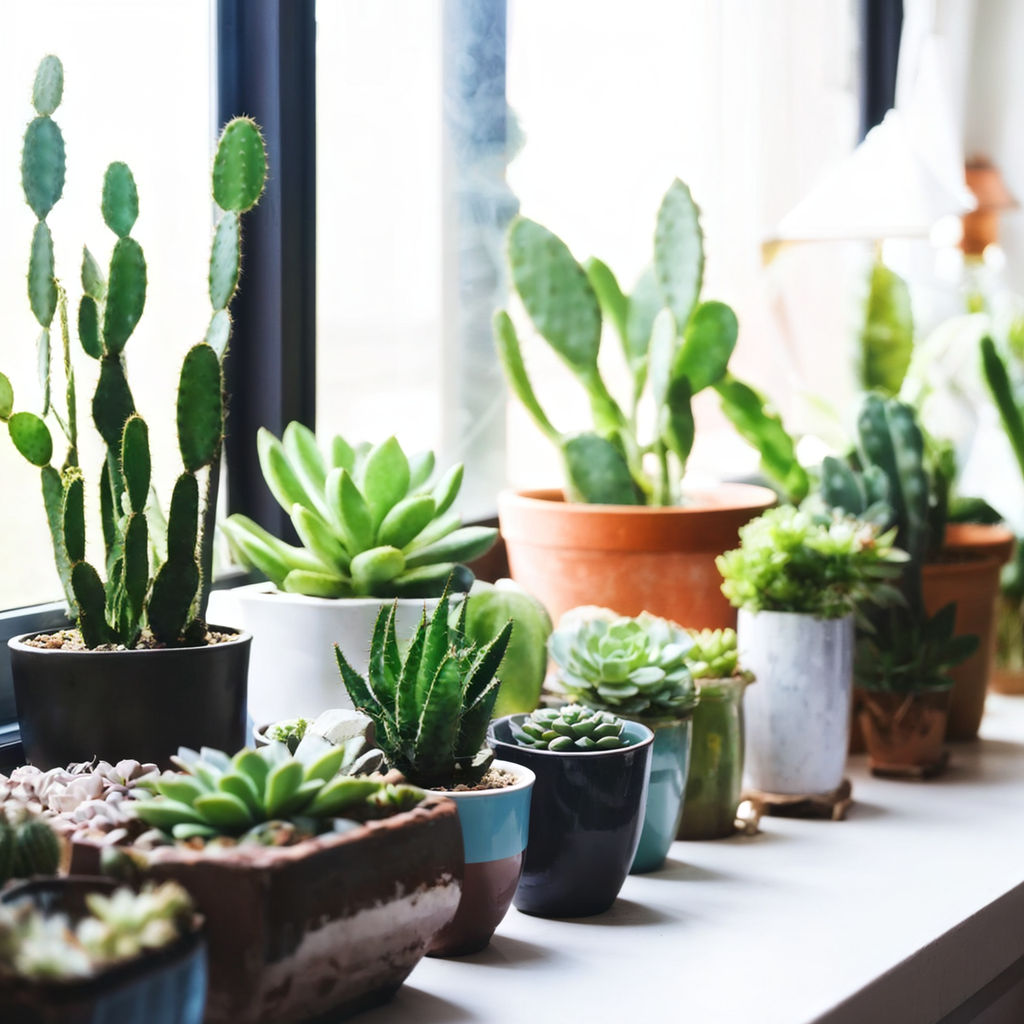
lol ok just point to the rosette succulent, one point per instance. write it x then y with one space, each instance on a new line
633 666
569 728
28 845
371 520
264 795
714 654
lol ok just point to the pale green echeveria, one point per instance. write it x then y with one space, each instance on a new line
713 654
633 666
570 728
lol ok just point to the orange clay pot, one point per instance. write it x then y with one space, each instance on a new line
969 575
629 558
903 732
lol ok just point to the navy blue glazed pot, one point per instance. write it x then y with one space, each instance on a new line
167 986
585 820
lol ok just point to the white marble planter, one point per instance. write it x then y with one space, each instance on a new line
798 714
292 670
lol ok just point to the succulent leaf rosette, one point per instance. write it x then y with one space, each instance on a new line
714 654
635 667
570 728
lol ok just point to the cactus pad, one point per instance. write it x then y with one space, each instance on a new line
120 199
74 518
679 252
224 261
48 88
112 402
240 166
89 327
135 462
43 166
31 436
42 287
126 294
200 407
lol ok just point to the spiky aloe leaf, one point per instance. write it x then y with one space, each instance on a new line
120 204
384 665
406 703
440 713
200 407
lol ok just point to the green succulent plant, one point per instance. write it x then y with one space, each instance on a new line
635 667
248 795
41 946
714 654
810 561
28 845
430 707
371 521
170 595
674 346
569 728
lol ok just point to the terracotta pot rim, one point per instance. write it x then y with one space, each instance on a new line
17 643
526 778
978 541
723 497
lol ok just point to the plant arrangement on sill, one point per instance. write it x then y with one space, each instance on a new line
297 867
675 347
593 769
157 574
374 526
636 668
798 578
430 708
714 782
82 947
909 645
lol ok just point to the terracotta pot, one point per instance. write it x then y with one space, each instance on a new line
1008 680
969 575
904 732
326 927
629 558
165 986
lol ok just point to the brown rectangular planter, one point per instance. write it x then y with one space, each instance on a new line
331 925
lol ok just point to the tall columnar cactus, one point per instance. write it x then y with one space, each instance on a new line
169 596
674 347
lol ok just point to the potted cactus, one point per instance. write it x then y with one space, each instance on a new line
625 533
81 949
142 672
715 779
430 709
592 770
320 890
797 579
896 478
374 526
636 668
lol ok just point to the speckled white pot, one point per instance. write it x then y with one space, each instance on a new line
798 714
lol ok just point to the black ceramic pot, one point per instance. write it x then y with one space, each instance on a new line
585 820
163 987
143 704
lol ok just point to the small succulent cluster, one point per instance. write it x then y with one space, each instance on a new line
369 518
119 927
811 561
714 654
263 796
28 844
636 667
91 800
167 597
570 728
430 708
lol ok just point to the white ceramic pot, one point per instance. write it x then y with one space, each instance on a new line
797 717
292 669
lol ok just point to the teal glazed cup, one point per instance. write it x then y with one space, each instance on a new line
670 760
585 820
495 826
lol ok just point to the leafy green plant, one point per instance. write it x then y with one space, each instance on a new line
674 347
714 654
430 707
570 728
43 946
635 667
170 596
887 334
371 521
251 795
815 563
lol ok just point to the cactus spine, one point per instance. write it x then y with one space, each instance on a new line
170 599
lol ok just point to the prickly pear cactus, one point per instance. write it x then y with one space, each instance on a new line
169 595
570 728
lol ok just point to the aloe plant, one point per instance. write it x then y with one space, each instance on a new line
675 347
570 728
170 595
251 795
371 521
430 707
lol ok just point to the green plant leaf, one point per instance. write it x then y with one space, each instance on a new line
282 784
887 337
461 546
597 472
48 87
679 252
384 479
224 811
511 357
200 408
240 166
126 294
6 398
42 285
120 199
708 343
31 436
614 304
350 511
